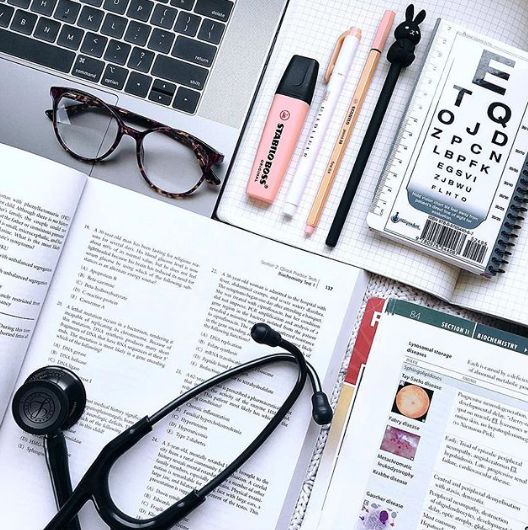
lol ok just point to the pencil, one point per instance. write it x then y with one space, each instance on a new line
358 98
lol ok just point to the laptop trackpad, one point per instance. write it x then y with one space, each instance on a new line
25 98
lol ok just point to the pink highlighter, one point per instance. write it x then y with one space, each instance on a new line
283 127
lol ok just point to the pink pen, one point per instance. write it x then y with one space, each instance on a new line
283 127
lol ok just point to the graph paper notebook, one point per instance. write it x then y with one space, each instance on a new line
456 181
311 29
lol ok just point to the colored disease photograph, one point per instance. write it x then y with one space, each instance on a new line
412 401
375 516
400 443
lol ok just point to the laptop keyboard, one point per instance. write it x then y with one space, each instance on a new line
161 50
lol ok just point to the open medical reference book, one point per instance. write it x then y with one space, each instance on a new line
437 436
311 29
143 300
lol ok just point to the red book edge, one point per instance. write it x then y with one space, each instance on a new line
364 339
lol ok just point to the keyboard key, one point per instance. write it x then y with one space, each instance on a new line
114 26
186 100
116 6
140 9
47 29
67 11
163 16
93 44
138 84
218 9
6 12
140 60
24 4
179 72
114 77
70 37
160 97
43 7
183 4
161 41
187 24
23 22
95 3
36 51
162 92
194 51
88 68
90 18
137 33
211 31
117 52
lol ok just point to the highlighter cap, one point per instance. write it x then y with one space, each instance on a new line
299 79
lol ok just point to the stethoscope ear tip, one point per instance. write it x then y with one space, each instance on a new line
321 410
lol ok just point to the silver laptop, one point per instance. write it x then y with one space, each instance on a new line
190 64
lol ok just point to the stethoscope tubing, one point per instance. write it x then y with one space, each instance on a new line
95 483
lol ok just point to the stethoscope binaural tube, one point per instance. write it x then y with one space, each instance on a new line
94 485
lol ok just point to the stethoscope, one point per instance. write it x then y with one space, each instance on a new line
53 399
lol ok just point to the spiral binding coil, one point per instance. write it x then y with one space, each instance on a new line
514 216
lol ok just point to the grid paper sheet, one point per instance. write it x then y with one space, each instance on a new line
312 28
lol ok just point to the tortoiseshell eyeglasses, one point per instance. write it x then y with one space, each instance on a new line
90 130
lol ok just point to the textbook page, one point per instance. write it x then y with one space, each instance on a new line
312 29
38 199
438 436
148 301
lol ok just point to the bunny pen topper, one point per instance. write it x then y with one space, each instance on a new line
408 35
400 55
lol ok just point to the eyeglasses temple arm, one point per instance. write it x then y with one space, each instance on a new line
211 177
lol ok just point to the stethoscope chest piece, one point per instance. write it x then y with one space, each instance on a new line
51 399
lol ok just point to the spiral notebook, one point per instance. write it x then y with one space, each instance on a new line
312 28
456 182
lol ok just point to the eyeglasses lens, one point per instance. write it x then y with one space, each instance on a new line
168 164
86 128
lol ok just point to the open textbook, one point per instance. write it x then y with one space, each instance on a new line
438 432
506 21
143 300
